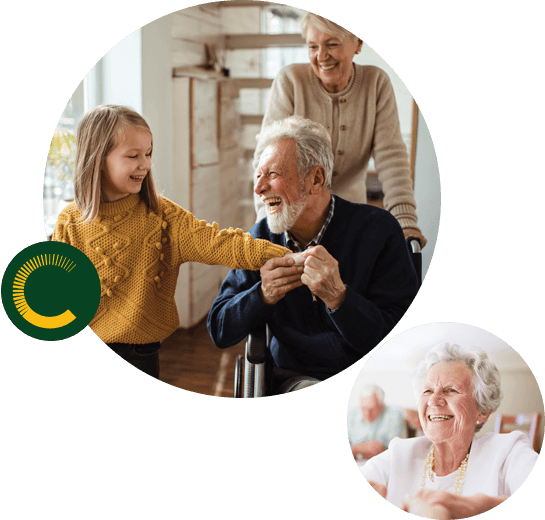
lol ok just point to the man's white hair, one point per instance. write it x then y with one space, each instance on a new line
367 390
313 144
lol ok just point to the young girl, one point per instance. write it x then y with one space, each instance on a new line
137 239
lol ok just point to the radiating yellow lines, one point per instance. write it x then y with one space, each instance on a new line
44 322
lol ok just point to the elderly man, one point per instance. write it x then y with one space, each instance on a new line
352 281
372 425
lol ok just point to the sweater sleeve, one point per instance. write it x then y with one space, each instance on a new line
207 244
60 233
391 159
373 312
238 310
518 464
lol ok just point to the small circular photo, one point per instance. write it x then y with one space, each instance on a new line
445 421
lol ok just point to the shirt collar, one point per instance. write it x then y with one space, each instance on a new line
295 246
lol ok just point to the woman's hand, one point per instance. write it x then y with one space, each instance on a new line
457 506
419 507
415 233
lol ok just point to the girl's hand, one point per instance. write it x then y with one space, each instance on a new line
279 276
298 258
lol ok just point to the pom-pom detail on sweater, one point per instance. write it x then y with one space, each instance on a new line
138 262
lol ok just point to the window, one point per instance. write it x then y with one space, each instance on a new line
280 19
59 170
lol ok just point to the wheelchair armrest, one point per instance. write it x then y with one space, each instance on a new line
256 347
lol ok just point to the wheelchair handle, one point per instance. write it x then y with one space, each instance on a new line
415 244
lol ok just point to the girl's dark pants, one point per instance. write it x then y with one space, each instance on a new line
144 357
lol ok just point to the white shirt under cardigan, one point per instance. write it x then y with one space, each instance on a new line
498 464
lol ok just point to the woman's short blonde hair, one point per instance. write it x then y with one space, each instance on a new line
96 137
326 26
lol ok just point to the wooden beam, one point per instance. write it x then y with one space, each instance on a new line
196 72
251 120
262 41
243 3
252 82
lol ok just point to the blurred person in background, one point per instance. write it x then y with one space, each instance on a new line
372 424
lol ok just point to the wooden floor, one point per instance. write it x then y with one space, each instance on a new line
190 360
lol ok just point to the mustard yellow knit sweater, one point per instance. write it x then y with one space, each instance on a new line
138 253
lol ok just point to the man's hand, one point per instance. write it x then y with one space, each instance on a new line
368 449
381 489
279 276
322 276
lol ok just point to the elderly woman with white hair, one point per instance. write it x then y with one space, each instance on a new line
449 468
357 106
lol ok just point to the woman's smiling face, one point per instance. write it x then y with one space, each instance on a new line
447 409
331 58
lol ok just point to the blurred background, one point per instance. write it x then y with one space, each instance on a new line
391 366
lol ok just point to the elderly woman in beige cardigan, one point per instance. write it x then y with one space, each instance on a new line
356 105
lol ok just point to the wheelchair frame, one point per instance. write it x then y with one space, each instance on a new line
257 346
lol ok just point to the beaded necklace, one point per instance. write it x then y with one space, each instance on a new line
428 469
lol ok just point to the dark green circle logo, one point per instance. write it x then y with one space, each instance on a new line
50 291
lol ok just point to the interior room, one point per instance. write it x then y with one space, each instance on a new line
200 77
392 364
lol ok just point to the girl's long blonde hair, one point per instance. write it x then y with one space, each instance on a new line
96 137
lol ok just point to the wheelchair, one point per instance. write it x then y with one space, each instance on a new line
254 374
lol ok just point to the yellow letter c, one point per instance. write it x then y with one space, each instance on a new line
48 322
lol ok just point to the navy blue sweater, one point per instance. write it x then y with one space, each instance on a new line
374 264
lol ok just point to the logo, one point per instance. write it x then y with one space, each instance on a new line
50 291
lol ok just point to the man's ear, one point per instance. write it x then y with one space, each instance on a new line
317 175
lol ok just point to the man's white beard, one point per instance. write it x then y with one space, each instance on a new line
285 220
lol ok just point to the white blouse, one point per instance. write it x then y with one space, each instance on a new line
497 466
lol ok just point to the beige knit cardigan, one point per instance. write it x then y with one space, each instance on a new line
362 121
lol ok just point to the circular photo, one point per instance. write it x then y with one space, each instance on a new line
445 421
245 179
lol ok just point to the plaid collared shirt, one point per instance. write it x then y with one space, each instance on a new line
295 246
